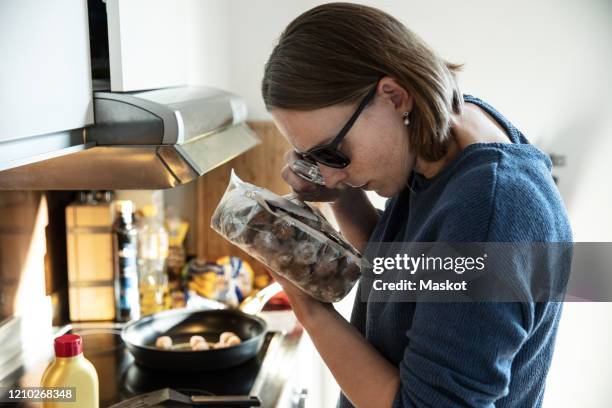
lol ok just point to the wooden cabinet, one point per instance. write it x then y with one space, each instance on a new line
89 243
147 44
45 74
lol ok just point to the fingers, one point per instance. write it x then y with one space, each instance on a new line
298 184
276 276
284 282
290 156
305 190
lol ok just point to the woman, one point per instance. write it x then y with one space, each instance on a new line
355 91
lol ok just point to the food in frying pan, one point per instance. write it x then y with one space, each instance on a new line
290 237
201 346
228 339
233 341
195 340
199 343
225 336
164 342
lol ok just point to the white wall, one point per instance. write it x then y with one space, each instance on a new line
546 66
542 63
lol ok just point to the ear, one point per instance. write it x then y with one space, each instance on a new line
390 90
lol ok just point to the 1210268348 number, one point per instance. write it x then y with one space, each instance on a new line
57 394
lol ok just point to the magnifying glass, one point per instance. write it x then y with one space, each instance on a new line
308 171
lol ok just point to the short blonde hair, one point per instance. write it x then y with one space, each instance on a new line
333 53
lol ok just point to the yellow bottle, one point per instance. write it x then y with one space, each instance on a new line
72 369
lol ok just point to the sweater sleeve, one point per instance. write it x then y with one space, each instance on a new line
460 354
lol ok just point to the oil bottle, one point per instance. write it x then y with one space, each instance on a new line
71 369
152 255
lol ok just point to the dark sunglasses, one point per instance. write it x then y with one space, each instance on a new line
329 154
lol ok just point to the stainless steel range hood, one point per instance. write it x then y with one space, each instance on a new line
141 140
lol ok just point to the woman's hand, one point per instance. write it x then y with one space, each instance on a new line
306 190
345 351
354 213
304 306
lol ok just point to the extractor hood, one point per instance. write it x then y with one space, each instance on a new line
141 140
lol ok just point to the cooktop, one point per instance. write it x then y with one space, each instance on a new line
121 378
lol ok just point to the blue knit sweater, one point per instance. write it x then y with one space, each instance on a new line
471 354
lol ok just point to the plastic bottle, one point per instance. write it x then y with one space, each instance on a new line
152 254
71 369
125 254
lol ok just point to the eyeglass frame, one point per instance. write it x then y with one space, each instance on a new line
334 145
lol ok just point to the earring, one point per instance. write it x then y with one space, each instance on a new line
406 118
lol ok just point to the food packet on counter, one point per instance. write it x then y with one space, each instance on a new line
290 237
213 279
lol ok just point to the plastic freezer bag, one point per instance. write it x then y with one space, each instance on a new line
290 237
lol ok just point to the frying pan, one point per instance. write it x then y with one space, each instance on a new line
140 335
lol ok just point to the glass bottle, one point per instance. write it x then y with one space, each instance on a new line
152 255
125 255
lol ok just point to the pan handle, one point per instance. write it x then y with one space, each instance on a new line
254 304
225 401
